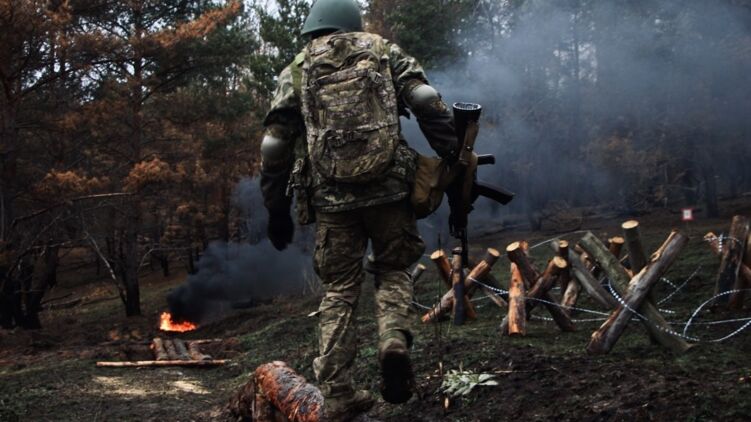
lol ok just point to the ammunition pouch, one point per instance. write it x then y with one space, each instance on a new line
432 177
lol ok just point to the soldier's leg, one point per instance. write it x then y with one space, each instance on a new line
340 246
396 245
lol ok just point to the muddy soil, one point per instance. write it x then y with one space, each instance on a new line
50 374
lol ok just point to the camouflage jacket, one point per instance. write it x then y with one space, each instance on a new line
285 120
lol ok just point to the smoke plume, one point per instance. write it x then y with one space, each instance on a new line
589 103
248 271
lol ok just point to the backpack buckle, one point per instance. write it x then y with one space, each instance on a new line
375 77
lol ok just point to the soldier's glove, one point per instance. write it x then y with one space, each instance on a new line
280 230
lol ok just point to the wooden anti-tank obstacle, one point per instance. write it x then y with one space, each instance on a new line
480 272
620 280
735 266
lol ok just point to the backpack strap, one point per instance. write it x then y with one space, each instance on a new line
297 72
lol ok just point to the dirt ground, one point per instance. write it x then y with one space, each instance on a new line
50 374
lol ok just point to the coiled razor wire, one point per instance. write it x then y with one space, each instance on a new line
684 335
622 302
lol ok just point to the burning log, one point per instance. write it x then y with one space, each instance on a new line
516 255
732 259
657 326
157 345
161 363
167 324
288 392
515 324
608 334
195 352
181 349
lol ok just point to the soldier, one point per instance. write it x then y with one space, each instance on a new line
333 139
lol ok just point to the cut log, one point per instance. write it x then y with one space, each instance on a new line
481 272
417 273
181 349
195 352
169 347
608 334
636 257
161 363
570 296
563 253
555 267
659 327
515 324
518 257
457 284
445 307
443 265
157 345
732 257
483 268
714 244
288 392
580 272
615 245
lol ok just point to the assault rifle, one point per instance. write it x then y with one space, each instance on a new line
465 189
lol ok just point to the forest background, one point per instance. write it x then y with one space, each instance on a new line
126 125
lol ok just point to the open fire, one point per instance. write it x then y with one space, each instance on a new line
167 324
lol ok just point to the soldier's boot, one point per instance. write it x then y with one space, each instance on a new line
347 407
396 368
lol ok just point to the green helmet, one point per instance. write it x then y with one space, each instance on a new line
333 14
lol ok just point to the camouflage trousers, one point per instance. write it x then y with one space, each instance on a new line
341 243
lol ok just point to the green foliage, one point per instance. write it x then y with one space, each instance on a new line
461 383
281 40
429 29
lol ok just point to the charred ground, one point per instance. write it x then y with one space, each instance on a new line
50 374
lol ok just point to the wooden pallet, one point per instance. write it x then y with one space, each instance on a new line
172 352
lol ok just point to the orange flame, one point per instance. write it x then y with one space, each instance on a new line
166 324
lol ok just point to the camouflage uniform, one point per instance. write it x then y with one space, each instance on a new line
350 215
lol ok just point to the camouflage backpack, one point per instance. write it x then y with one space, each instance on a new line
349 106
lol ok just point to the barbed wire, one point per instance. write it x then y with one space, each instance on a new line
686 324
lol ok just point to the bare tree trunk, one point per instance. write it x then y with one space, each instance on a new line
8 165
710 194
130 273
